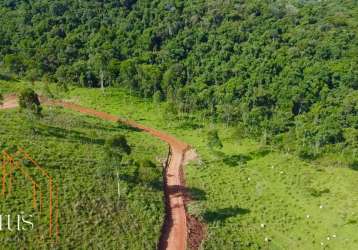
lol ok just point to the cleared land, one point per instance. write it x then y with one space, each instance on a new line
174 232
70 146
248 192
251 195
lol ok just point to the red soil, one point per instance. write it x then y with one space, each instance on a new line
175 229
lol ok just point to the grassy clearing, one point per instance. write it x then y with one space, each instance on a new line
92 215
252 196
273 200
271 188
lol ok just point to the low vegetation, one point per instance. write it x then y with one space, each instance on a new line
265 90
103 204
250 193
29 100
254 197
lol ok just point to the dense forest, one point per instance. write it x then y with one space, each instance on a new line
285 71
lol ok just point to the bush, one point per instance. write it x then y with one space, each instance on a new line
157 97
29 100
307 153
235 160
214 140
32 75
47 91
354 165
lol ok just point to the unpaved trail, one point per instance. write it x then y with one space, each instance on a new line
174 232
10 102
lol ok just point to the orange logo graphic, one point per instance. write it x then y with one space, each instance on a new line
43 185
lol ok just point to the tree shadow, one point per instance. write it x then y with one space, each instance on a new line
217 153
224 213
237 159
109 128
318 193
354 165
196 194
99 127
122 125
157 185
51 131
189 125
132 179
193 193
261 152
8 77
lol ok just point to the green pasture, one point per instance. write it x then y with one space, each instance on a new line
250 195
92 213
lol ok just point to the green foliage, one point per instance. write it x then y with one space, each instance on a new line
128 73
282 195
149 76
318 193
157 97
260 64
235 160
213 140
247 184
29 100
14 63
72 149
174 77
148 172
117 146
47 91
32 75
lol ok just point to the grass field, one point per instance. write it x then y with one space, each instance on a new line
251 196
92 214
257 198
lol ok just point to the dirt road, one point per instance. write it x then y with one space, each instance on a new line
174 233
10 102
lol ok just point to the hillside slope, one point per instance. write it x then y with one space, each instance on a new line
97 207
283 70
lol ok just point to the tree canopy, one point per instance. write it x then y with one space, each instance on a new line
275 66
28 99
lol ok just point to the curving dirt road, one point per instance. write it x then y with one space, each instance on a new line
174 233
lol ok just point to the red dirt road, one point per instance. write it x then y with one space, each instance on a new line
10 102
174 233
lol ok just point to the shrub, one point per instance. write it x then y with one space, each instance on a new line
29 100
235 160
354 165
47 91
157 97
307 153
214 140
32 75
